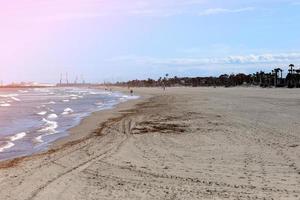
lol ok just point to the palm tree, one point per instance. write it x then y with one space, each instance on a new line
291 70
290 76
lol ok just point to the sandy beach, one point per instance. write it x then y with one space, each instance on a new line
184 143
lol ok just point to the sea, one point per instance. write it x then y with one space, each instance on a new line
32 119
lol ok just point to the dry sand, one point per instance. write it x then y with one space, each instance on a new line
186 143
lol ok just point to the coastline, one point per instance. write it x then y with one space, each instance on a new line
86 127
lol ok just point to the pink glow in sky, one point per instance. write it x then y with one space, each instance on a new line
29 27
24 24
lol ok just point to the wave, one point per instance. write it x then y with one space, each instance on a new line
42 113
23 91
39 139
100 92
67 111
8 145
17 136
50 128
50 109
42 106
8 95
15 99
5 105
51 102
75 96
52 116
130 97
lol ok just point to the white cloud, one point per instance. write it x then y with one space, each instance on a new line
283 58
217 11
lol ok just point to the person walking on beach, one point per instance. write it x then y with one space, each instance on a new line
131 92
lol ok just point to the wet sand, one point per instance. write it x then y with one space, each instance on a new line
185 143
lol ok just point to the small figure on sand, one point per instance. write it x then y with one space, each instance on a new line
131 92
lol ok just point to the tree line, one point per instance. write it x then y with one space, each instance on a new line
263 79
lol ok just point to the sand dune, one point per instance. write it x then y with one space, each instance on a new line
185 143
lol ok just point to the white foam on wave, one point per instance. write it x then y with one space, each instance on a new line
95 93
67 111
15 99
130 97
17 136
8 95
74 96
50 110
42 113
39 139
4 105
23 91
50 128
51 102
43 90
8 145
52 116
66 100
42 106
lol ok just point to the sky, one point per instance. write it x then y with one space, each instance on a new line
118 40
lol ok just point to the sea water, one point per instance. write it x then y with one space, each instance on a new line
32 119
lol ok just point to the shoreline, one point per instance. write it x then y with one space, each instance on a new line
94 121
85 128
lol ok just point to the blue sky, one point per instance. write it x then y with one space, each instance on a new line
127 39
